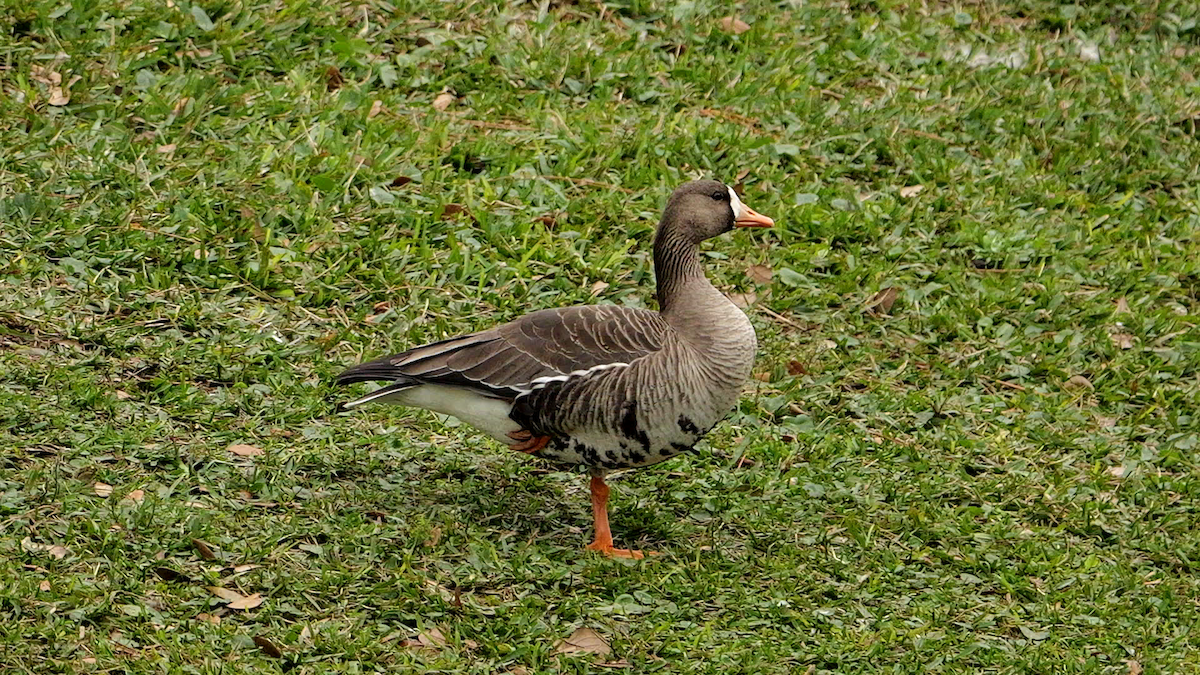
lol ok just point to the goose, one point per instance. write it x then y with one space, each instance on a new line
604 386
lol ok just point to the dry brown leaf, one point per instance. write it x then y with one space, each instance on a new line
881 302
432 638
56 551
598 287
911 190
58 97
44 585
169 574
180 106
583 641
102 489
248 602
122 395
451 210
1122 340
89 660
1135 668
137 496
203 549
376 108
1116 471
245 450
435 535
1122 306
209 618
759 274
269 648
166 149
227 594
796 368
743 300
242 569
733 25
333 78
401 181
443 101
45 75
1078 382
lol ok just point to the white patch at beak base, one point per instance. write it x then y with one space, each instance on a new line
739 209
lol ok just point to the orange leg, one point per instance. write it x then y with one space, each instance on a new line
604 541
527 442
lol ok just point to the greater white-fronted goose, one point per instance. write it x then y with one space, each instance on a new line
604 386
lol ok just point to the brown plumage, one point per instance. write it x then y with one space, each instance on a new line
601 385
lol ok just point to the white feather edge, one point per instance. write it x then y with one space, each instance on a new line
486 413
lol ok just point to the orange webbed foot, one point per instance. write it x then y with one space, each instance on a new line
608 550
526 442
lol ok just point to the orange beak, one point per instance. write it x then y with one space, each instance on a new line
751 218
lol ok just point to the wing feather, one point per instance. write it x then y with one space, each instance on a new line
505 360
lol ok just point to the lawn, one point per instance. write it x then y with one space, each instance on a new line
969 446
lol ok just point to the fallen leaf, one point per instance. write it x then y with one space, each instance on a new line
881 302
1122 340
44 585
547 219
137 496
333 78
242 569
443 101
45 75
796 368
204 550
208 618
56 551
248 602
376 108
245 450
89 660
616 664
166 149
583 641
435 535
400 181
733 25
598 287
432 638
227 594
1122 307
451 210
1078 382
911 190
743 300
1135 668
168 574
102 489
269 648
58 97
1116 471
124 395
180 106
759 274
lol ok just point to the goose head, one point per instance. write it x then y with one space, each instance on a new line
702 209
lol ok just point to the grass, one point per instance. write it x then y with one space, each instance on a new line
996 474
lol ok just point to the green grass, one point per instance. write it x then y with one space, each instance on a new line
998 475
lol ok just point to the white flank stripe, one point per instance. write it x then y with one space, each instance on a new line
540 382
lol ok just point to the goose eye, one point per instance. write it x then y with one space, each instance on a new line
721 195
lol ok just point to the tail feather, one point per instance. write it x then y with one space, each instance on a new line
381 394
